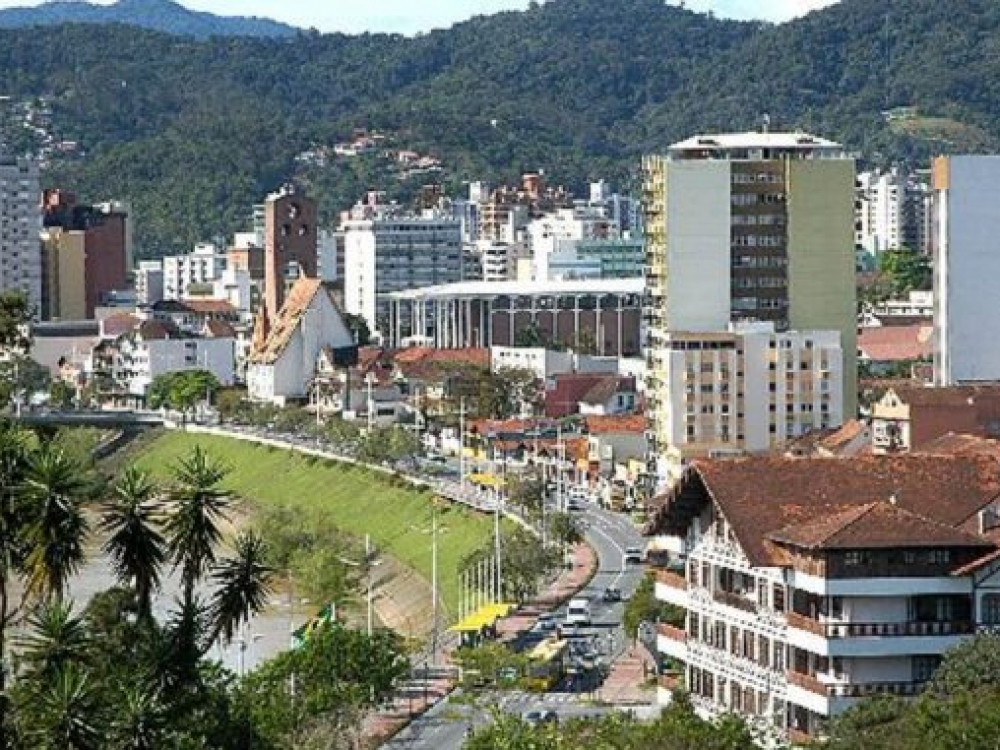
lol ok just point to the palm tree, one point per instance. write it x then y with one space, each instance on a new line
67 713
242 585
134 543
55 488
192 529
56 640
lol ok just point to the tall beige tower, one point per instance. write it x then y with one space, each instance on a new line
750 228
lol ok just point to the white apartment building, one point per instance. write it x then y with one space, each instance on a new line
557 234
893 211
386 252
966 268
20 225
201 267
149 282
743 391
156 347
810 584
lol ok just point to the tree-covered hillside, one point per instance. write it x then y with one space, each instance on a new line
195 132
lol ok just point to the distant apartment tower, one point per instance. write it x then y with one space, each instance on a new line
386 252
750 227
192 272
893 212
149 282
290 249
20 222
966 269
85 255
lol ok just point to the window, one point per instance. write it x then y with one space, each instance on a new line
990 609
779 598
939 557
854 558
924 667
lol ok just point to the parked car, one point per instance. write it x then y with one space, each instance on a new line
633 556
612 595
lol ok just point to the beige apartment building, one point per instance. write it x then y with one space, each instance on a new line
748 227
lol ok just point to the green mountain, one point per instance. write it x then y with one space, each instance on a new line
194 132
159 15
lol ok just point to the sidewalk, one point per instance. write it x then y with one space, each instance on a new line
626 683
418 695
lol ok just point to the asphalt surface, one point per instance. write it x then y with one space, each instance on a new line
445 726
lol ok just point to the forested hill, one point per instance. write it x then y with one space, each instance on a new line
194 132
159 15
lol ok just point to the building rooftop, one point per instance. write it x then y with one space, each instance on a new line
297 302
726 142
765 499
524 288
896 343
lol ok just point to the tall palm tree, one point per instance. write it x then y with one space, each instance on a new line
193 527
55 489
242 585
55 640
131 519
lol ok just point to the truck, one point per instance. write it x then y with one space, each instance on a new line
578 612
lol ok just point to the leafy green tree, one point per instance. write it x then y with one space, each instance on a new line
56 640
565 529
242 585
68 715
524 562
15 323
526 492
358 325
907 270
132 521
645 607
181 391
971 666
61 394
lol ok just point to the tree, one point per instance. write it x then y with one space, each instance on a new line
56 640
907 270
242 585
565 529
358 325
524 562
528 493
645 607
68 715
971 666
15 323
180 391
135 544
56 489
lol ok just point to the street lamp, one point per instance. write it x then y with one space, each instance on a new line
368 564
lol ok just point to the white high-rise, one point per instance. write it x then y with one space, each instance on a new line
20 225
966 269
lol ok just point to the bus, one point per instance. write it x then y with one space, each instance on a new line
547 665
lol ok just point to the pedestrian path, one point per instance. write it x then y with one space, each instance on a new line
626 683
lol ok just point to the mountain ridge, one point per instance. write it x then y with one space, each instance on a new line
156 15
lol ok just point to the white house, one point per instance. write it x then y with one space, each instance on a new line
285 358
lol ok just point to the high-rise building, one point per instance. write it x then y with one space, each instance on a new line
966 268
198 269
750 227
290 249
386 251
85 255
20 222
893 210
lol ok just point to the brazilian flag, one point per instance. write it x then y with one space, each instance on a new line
321 620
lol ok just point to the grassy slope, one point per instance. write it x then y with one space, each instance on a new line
355 500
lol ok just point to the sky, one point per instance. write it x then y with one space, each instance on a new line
410 16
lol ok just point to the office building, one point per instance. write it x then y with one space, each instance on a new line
810 585
20 222
290 244
966 268
387 250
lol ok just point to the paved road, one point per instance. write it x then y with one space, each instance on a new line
444 727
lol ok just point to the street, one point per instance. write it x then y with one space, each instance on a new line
444 727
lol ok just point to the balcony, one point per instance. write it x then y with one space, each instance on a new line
848 690
877 629
735 600
671 579
674 634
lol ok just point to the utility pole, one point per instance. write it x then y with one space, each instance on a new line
434 583
461 445
371 402
497 540
368 568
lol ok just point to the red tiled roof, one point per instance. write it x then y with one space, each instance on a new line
207 306
896 343
613 425
875 525
954 444
761 496
151 330
570 390
299 298
958 395
605 389
219 329
115 325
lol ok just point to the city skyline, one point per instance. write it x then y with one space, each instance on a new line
399 16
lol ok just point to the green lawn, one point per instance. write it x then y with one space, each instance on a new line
355 500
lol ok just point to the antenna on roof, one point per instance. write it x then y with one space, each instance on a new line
765 123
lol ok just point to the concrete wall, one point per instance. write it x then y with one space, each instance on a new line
698 245
821 277
968 269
